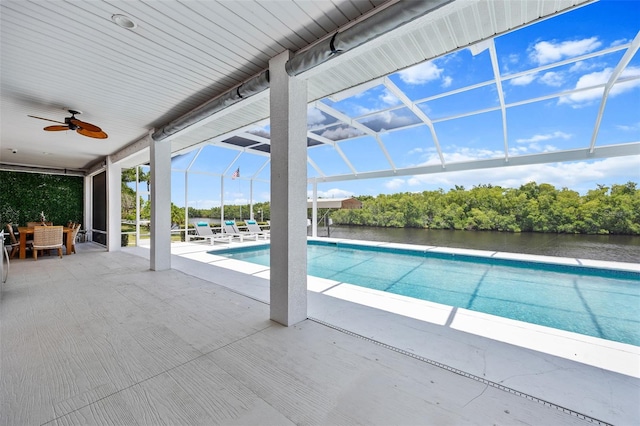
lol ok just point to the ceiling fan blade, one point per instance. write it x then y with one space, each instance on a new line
97 135
56 128
84 125
48 119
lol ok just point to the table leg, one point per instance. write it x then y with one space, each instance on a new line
23 245
69 241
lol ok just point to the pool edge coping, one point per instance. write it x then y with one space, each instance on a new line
610 355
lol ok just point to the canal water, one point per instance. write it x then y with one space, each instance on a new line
618 248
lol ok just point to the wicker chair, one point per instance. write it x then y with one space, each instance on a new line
13 242
46 238
74 235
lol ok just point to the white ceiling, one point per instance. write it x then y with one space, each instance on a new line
57 55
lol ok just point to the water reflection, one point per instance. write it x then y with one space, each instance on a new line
619 248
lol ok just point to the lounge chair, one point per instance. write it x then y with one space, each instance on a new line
230 228
203 230
253 226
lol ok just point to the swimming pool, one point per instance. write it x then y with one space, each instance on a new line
596 302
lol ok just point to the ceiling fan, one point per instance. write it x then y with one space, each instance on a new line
72 123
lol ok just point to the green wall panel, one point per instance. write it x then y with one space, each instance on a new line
24 195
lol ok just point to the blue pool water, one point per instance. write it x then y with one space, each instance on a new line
590 301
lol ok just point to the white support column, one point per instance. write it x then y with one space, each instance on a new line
314 210
114 203
88 207
222 202
288 104
251 199
160 205
186 205
137 206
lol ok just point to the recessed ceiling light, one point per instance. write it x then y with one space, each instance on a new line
124 21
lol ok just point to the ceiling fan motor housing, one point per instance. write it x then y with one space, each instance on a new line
68 122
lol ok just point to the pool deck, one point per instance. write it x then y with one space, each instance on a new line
404 323
98 338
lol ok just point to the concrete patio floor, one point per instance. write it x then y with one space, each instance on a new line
98 338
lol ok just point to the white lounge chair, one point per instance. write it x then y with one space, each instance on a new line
203 230
230 228
253 226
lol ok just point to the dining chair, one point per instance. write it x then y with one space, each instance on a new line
13 241
74 236
46 238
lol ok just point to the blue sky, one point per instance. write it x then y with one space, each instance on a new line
549 124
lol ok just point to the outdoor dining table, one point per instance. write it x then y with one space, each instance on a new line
24 231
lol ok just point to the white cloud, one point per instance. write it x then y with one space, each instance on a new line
507 61
341 132
388 120
395 184
418 151
545 137
629 85
388 98
586 97
332 193
260 131
315 117
582 66
578 176
545 52
469 154
446 81
362 110
523 80
421 73
204 204
628 128
551 78
619 42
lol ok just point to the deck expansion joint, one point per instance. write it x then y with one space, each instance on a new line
467 375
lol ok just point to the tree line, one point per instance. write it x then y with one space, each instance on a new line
531 208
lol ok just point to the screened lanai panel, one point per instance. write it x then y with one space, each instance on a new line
460 142
565 35
329 161
549 126
459 94
575 75
241 142
451 72
182 161
317 119
481 98
390 120
338 132
621 124
369 101
375 158
204 190
215 160
411 147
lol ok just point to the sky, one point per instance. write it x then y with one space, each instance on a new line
527 61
